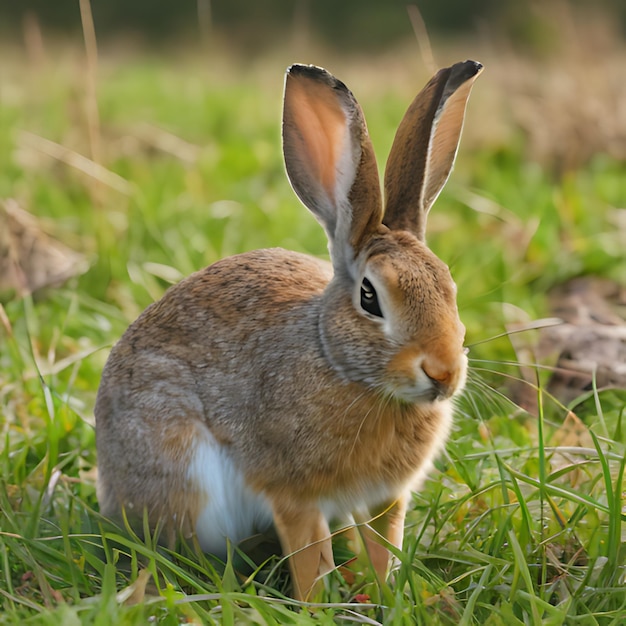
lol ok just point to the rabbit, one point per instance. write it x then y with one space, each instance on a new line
274 390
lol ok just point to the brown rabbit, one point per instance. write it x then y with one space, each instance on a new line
273 388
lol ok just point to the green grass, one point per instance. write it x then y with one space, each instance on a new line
505 532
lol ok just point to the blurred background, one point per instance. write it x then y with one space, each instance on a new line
550 62
352 25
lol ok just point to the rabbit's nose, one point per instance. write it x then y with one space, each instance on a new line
445 376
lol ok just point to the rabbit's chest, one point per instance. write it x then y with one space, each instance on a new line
388 452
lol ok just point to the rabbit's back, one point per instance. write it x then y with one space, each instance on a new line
188 371
203 325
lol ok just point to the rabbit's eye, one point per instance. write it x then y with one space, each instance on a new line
369 299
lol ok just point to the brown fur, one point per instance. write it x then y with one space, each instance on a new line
270 356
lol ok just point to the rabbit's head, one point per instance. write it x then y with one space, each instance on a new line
389 317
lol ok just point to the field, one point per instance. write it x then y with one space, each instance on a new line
154 168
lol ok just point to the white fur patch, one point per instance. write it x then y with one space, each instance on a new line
232 510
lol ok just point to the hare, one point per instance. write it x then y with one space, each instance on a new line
276 390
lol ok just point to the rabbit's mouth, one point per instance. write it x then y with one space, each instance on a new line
416 394
422 389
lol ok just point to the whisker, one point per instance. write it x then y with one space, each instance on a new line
536 325
380 407
483 398
520 364
351 405
505 375
475 379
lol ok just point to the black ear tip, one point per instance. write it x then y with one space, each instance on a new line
460 72
473 67
308 71
317 74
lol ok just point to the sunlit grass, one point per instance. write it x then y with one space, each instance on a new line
509 529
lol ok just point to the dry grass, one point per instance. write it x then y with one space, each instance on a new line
565 92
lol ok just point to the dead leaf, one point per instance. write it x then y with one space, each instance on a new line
135 593
29 258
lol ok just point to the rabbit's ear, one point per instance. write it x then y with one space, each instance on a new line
329 159
425 146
